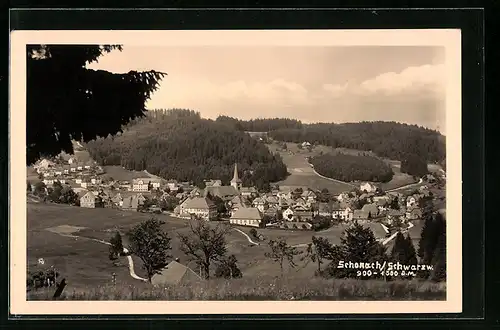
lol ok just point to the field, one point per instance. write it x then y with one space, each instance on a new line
85 262
302 174
264 288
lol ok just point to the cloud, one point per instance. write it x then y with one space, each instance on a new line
412 80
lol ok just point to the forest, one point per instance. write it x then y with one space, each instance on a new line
352 168
179 144
387 139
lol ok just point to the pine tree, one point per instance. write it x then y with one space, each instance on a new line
399 249
358 244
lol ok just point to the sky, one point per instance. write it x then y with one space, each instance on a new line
310 83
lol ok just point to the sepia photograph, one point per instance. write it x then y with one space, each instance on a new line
236 166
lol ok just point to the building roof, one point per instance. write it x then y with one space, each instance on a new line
272 199
370 208
259 200
247 213
198 203
221 191
130 202
248 189
175 273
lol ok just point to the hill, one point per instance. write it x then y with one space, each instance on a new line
391 140
179 144
352 168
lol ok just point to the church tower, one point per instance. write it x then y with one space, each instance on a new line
236 182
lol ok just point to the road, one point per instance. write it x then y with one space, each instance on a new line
125 251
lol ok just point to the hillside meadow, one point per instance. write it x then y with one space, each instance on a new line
302 173
261 288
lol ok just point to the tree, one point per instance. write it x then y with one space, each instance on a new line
281 252
116 247
253 232
40 189
227 268
432 246
403 250
205 243
319 249
219 203
66 101
56 191
68 196
414 165
151 244
357 244
28 187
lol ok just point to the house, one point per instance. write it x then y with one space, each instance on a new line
48 181
310 196
173 185
199 206
343 197
174 274
196 192
394 214
141 184
72 169
72 160
96 180
260 203
303 216
246 216
226 193
342 212
272 211
324 210
213 183
288 214
236 203
272 201
248 191
62 181
359 215
79 167
411 201
130 203
88 199
305 144
371 210
85 183
117 199
58 172
301 205
368 187
413 213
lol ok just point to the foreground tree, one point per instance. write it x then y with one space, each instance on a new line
319 249
357 245
227 268
281 252
116 247
151 244
66 101
204 243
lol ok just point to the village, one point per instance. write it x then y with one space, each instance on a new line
284 207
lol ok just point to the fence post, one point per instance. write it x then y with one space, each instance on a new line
60 289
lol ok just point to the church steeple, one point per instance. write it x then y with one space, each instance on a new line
236 182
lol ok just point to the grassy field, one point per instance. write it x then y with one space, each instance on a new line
302 174
262 288
85 264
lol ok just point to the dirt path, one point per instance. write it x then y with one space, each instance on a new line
125 251
406 186
245 234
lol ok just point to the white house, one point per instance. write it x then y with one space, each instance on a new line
288 214
96 180
246 216
48 181
368 187
199 206
72 160
260 203
79 168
